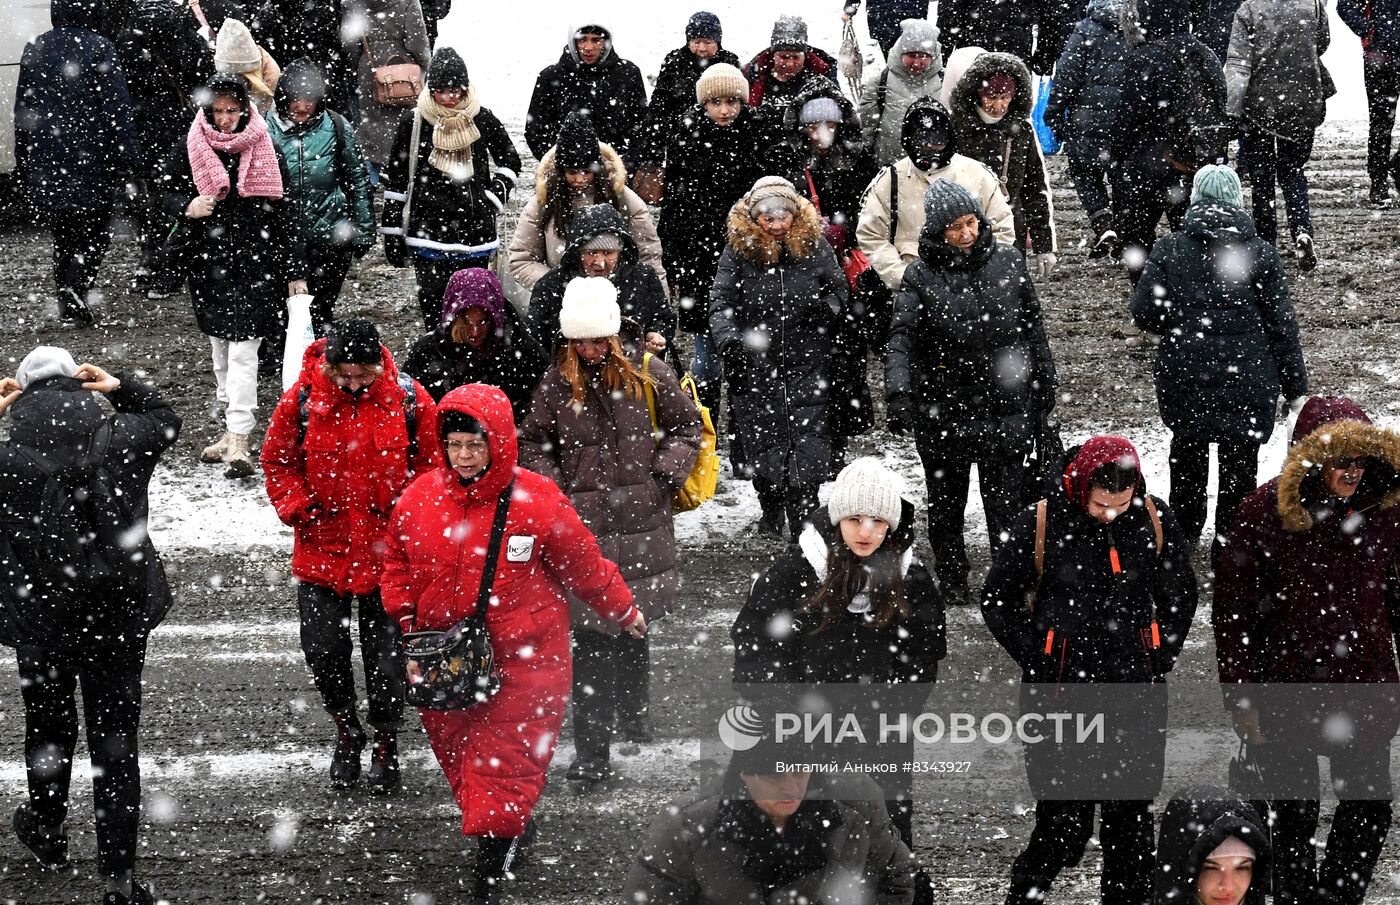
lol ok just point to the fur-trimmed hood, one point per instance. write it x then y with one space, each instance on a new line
613 169
963 100
1300 484
750 242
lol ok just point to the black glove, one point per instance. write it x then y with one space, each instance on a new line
736 365
899 415
396 251
501 187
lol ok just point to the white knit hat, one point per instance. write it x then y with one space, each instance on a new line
721 80
590 309
1233 847
235 51
45 362
867 487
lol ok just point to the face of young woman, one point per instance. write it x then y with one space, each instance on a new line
591 350
1224 881
478 327
1105 505
227 112
448 97
353 378
864 534
723 110
301 110
578 180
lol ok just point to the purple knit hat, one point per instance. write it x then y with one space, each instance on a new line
474 288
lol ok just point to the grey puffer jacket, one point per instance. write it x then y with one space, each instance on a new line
1008 147
884 102
1274 77
695 852
774 313
606 459
395 32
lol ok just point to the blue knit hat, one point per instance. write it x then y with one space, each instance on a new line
704 25
1219 184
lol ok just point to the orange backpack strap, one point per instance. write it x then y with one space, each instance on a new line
1156 517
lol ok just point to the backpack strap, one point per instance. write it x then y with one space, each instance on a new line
338 162
1156 517
894 202
303 412
1040 518
882 89
410 414
651 396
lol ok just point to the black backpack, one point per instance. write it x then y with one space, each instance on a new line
1199 131
83 546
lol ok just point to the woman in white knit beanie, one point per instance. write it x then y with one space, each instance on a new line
236 53
849 603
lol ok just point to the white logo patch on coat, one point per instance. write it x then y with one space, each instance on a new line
520 547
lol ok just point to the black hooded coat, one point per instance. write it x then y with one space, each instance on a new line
611 90
673 94
1193 825
164 60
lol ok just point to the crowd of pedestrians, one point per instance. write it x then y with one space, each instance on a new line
743 241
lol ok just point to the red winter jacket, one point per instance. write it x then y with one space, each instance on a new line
496 754
1300 593
338 486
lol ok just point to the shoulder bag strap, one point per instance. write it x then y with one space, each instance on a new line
812 187
493 549
364 41
1152 513
412 169
1006 166
894 202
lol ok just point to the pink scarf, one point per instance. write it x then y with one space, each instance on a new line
258 172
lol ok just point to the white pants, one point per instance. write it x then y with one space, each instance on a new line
236 373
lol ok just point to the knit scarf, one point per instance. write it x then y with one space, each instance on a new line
454 133
258 173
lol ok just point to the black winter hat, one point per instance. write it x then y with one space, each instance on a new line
927 119
301 80
447 70
577 147
705 26
353 342
451 421
945 202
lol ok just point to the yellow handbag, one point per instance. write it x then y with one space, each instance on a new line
704 477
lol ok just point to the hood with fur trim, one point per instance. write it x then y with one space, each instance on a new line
963 102
613 169
751 243
1300 484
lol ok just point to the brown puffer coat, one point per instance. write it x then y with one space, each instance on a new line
618 477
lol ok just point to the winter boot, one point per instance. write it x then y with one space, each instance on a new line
240 464
1027 890
140 895
923 888
588 775
1305 253
73 309
48 844
495 860
1105 236
216 451
1379 197
349 742
384 774
639 729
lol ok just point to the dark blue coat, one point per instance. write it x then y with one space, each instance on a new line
883 16
1376 23
74 132
1089 76
164 60
1212 21
1217 295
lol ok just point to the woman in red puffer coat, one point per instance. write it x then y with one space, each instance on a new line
496 754
338 453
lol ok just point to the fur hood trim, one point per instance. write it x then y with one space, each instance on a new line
1332 441
613 168
965 93
751 243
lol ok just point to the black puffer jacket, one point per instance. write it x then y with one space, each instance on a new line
164 60
1216 294
967 344
440 365
774 313
673 94
1005 26
1089 80
639 291
57 418
611 90
708 168
776 642
1193 825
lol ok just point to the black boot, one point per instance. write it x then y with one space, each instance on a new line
48 844
140 895
1027 890
923 888
587 775
496 859
349 742
1105 235
384 774
639 729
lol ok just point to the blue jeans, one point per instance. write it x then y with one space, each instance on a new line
708 365
1272 158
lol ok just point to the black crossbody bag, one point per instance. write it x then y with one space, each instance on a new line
457 667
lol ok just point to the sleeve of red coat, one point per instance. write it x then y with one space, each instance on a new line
572 556
283 465
429 445
395 580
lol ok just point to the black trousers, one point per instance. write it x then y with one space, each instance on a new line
432 277
1279 162
612 675
1062 831
791 501
1362 782
948 462
326 269
1382 92
1140 198
111 683
80 242
1189 467
325 640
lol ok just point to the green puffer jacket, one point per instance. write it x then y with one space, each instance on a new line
320 212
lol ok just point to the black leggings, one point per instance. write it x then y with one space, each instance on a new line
111 682
325 640
1189 469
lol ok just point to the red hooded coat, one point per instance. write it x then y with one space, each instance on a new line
353 464
496 754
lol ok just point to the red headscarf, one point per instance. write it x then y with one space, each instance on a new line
1101 450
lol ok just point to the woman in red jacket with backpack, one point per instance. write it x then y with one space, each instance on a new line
496 754
342 444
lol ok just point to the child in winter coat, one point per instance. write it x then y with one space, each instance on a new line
442 196
593 427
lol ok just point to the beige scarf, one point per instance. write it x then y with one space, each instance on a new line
454 133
